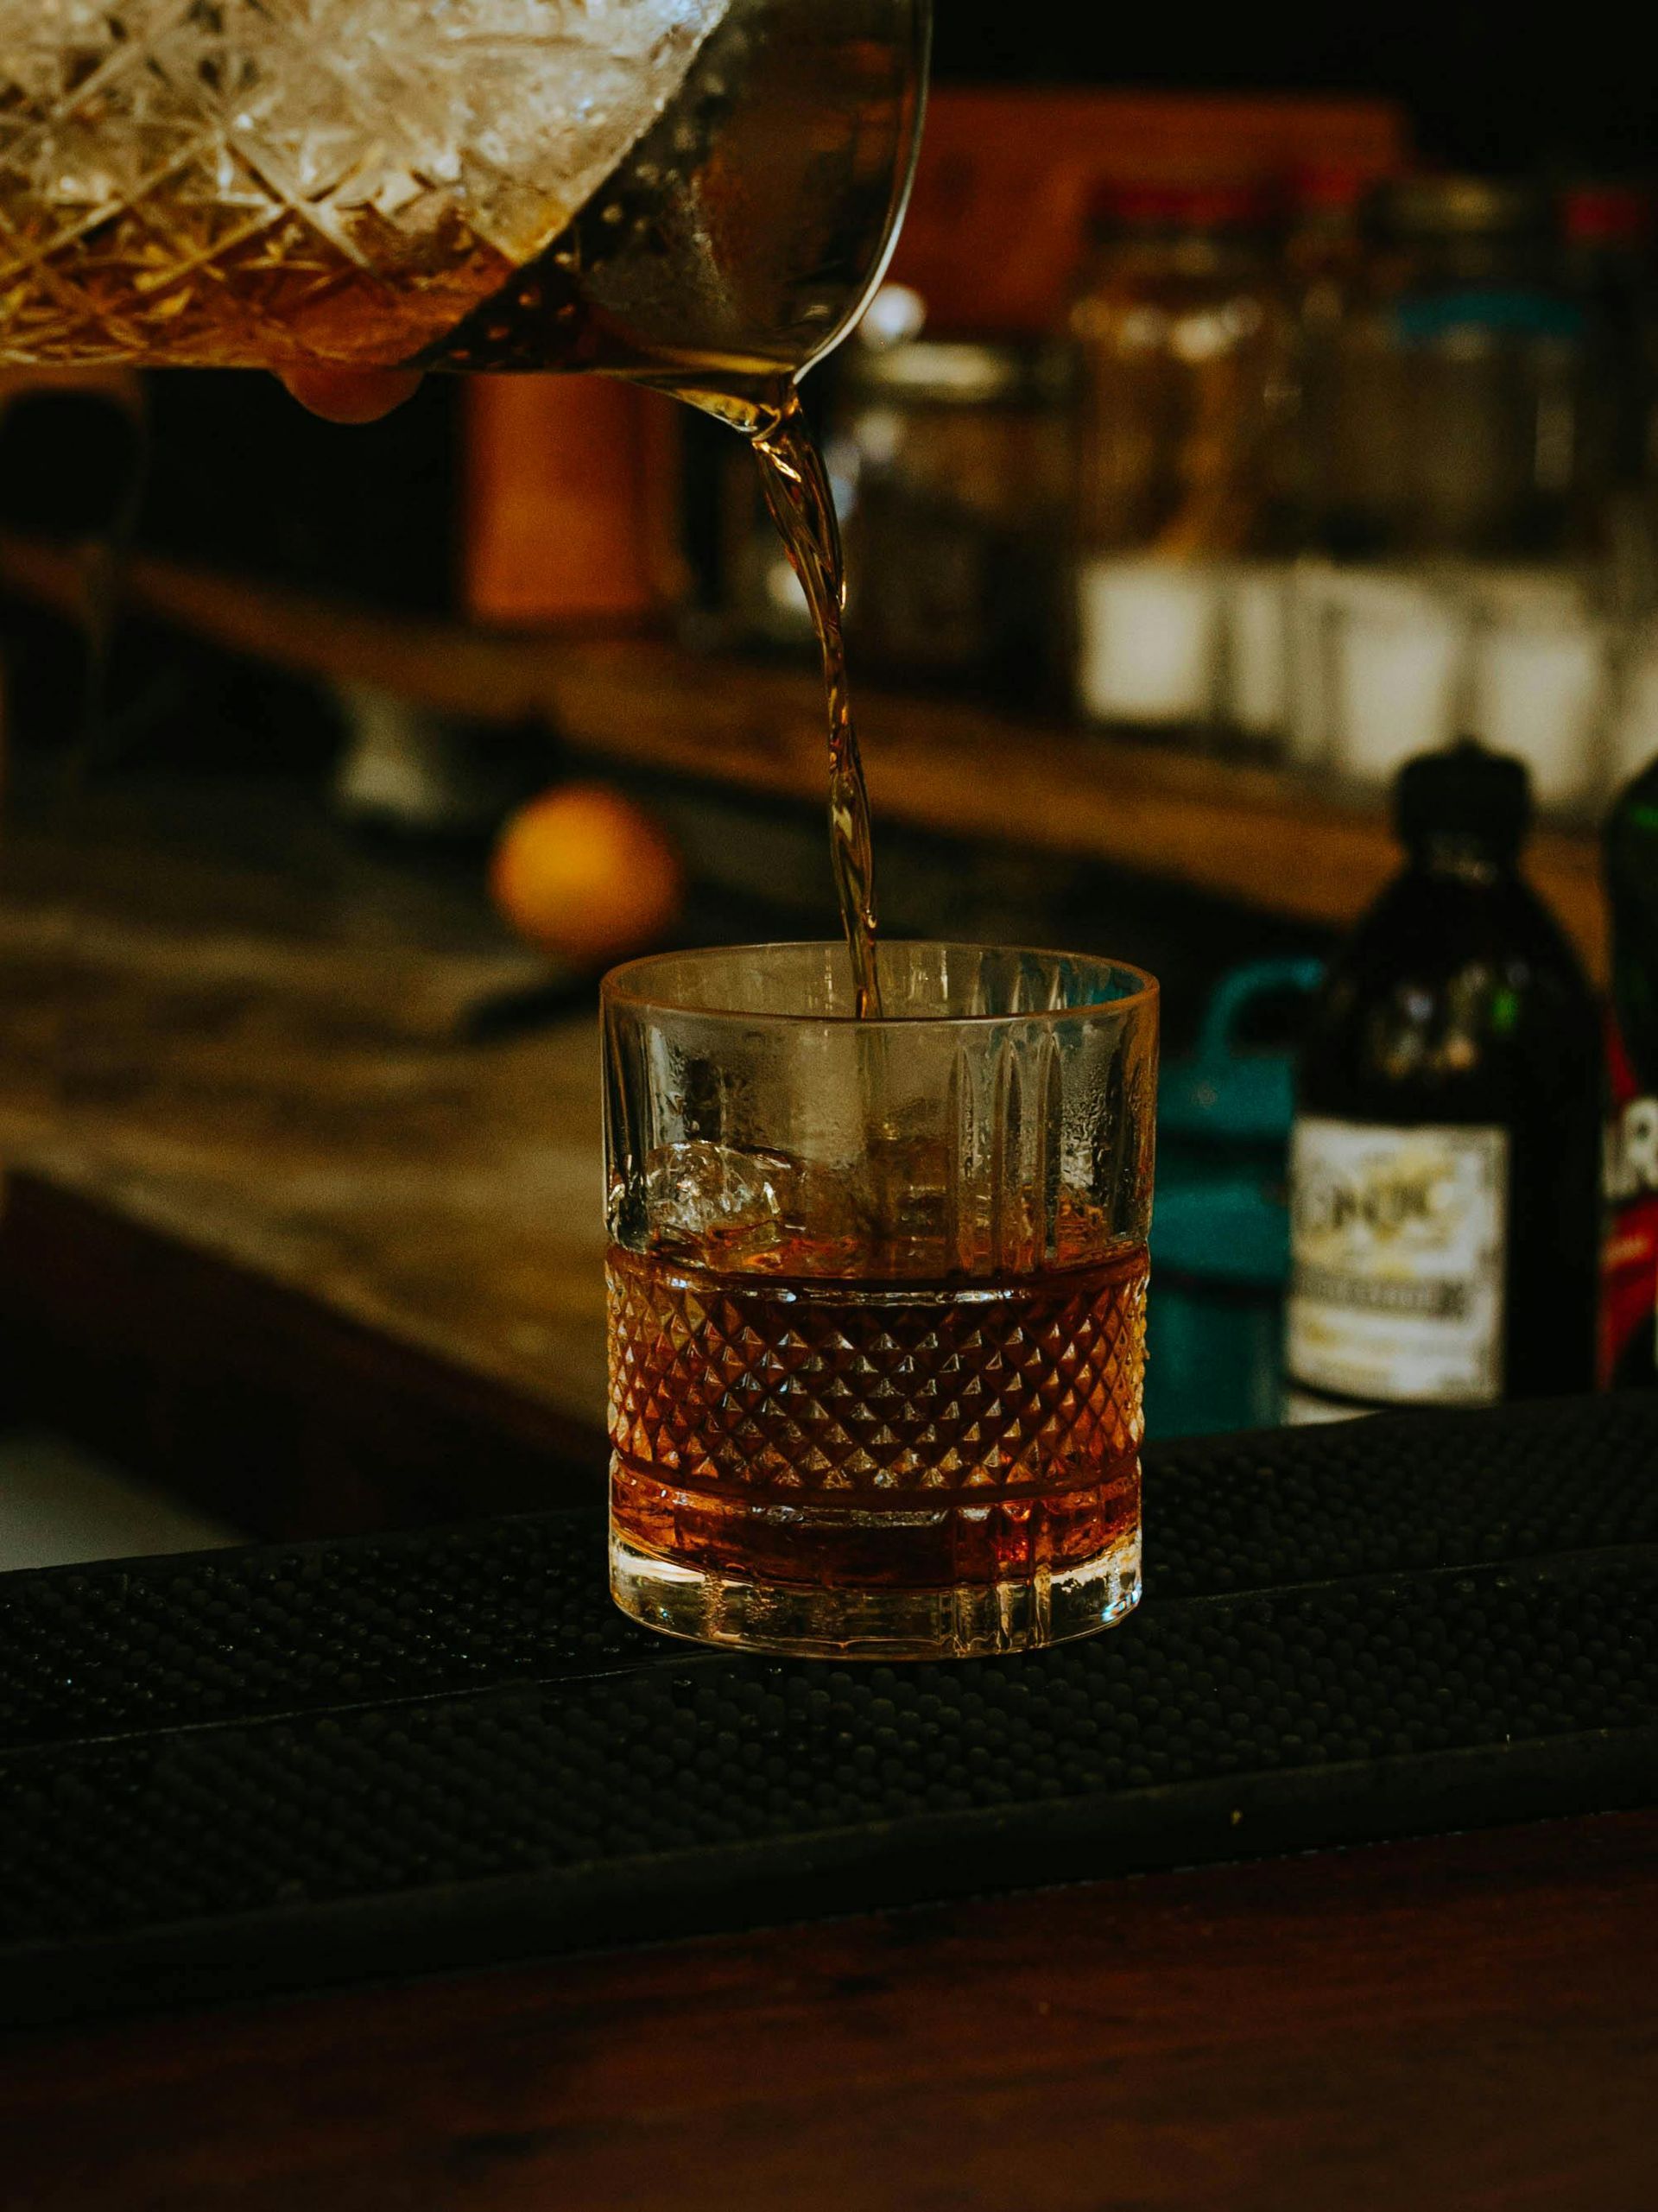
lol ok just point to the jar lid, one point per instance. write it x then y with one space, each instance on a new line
964 373
1182 204
1606 214
1452 206
1314 188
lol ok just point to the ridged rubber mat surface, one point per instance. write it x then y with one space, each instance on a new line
248 1769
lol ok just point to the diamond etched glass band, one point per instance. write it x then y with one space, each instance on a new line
635 186
289 180
844 1388
876 1298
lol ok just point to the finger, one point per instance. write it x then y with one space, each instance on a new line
352 395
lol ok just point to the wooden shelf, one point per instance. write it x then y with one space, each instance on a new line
1268 838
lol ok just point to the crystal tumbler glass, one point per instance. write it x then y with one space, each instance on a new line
876 1296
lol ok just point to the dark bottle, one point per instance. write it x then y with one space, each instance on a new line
1628 1312
1445 1219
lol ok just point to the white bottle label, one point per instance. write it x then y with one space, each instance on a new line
1396 1289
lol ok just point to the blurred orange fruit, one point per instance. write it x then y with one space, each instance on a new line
583 872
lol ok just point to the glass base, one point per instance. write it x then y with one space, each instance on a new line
970 1621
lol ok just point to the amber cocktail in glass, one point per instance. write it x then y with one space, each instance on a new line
877 1297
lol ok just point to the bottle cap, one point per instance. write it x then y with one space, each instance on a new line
1464 791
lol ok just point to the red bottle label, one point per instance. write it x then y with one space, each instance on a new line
1629 1302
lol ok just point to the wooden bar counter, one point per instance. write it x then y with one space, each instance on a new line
276 1234
1466 2022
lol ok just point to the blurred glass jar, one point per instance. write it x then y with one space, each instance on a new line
955 458
1462 478
1606 261
1391 660
952 463
1184 331
1326 259
1458 424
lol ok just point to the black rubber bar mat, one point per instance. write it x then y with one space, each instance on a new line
243 1771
